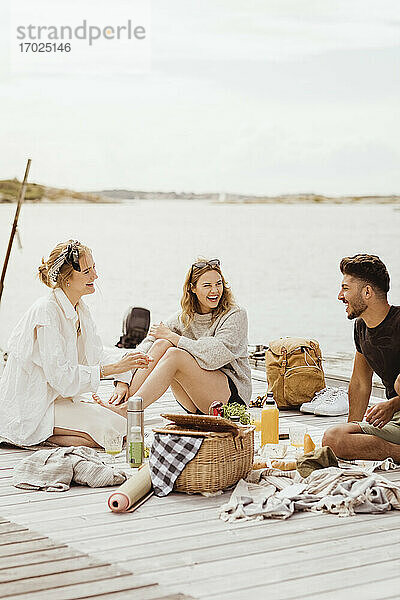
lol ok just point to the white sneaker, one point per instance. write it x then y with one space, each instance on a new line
334 404
309 407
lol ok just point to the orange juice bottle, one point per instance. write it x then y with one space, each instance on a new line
270 422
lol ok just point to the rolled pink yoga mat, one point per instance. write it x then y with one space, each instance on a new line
132 491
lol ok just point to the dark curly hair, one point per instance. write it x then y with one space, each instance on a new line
369 269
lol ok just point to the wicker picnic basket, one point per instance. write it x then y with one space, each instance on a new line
225 456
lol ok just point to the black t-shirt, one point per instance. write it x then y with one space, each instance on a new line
380 346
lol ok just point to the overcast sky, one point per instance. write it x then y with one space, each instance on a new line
263 97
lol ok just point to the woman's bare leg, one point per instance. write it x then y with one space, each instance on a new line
157 351
69 437
203 387
182 398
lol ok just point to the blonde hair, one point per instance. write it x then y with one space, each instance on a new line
189 302
66 269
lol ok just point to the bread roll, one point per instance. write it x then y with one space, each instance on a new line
260 465
284 465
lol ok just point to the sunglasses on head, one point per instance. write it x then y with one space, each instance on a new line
214 262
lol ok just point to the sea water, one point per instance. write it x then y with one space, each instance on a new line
281 260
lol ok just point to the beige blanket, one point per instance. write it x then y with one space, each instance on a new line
54 469
269 493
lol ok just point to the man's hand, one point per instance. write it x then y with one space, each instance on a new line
380 414
120 394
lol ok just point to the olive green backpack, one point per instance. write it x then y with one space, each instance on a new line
294 370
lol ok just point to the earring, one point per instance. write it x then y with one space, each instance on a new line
67 284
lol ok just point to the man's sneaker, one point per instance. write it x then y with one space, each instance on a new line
309 407
333 405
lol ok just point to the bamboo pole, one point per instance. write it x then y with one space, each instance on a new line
14 227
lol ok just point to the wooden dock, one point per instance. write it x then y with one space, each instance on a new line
69 546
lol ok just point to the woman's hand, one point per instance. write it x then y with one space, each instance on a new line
161 332
133 360
121 393
380 414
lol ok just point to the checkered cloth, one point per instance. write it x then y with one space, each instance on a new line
168 457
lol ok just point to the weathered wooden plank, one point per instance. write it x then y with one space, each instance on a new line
31 497
67 565
10 491
28 546
112 527
120 523
157 528
373 590
11 460
49 582
179 539
14 452
261 555
6 528
12 449
20 537
156 594
95 505
336 567
295 589
134 584
37 557
148 593
98 496
193 523
192 550
5 482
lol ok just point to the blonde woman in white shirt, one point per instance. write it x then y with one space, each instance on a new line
55 356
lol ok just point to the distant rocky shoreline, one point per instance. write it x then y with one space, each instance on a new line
36 193
249 199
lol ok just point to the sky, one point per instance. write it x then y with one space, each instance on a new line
267 97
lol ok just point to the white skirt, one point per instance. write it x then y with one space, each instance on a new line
86 417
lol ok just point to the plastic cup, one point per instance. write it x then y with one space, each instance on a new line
296 435
113 442
255 414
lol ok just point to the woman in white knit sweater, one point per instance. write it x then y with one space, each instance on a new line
201 351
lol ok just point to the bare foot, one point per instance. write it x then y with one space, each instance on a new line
121 409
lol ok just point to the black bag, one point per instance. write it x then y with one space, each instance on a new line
134 328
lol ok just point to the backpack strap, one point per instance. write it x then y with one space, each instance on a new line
317 353
284 360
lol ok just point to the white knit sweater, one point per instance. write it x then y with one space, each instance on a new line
219 345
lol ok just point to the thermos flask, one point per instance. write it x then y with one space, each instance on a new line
135 418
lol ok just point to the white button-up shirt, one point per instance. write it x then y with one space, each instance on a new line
43 365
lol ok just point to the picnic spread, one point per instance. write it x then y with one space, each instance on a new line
209 454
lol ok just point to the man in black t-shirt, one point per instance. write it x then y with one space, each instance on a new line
377 339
